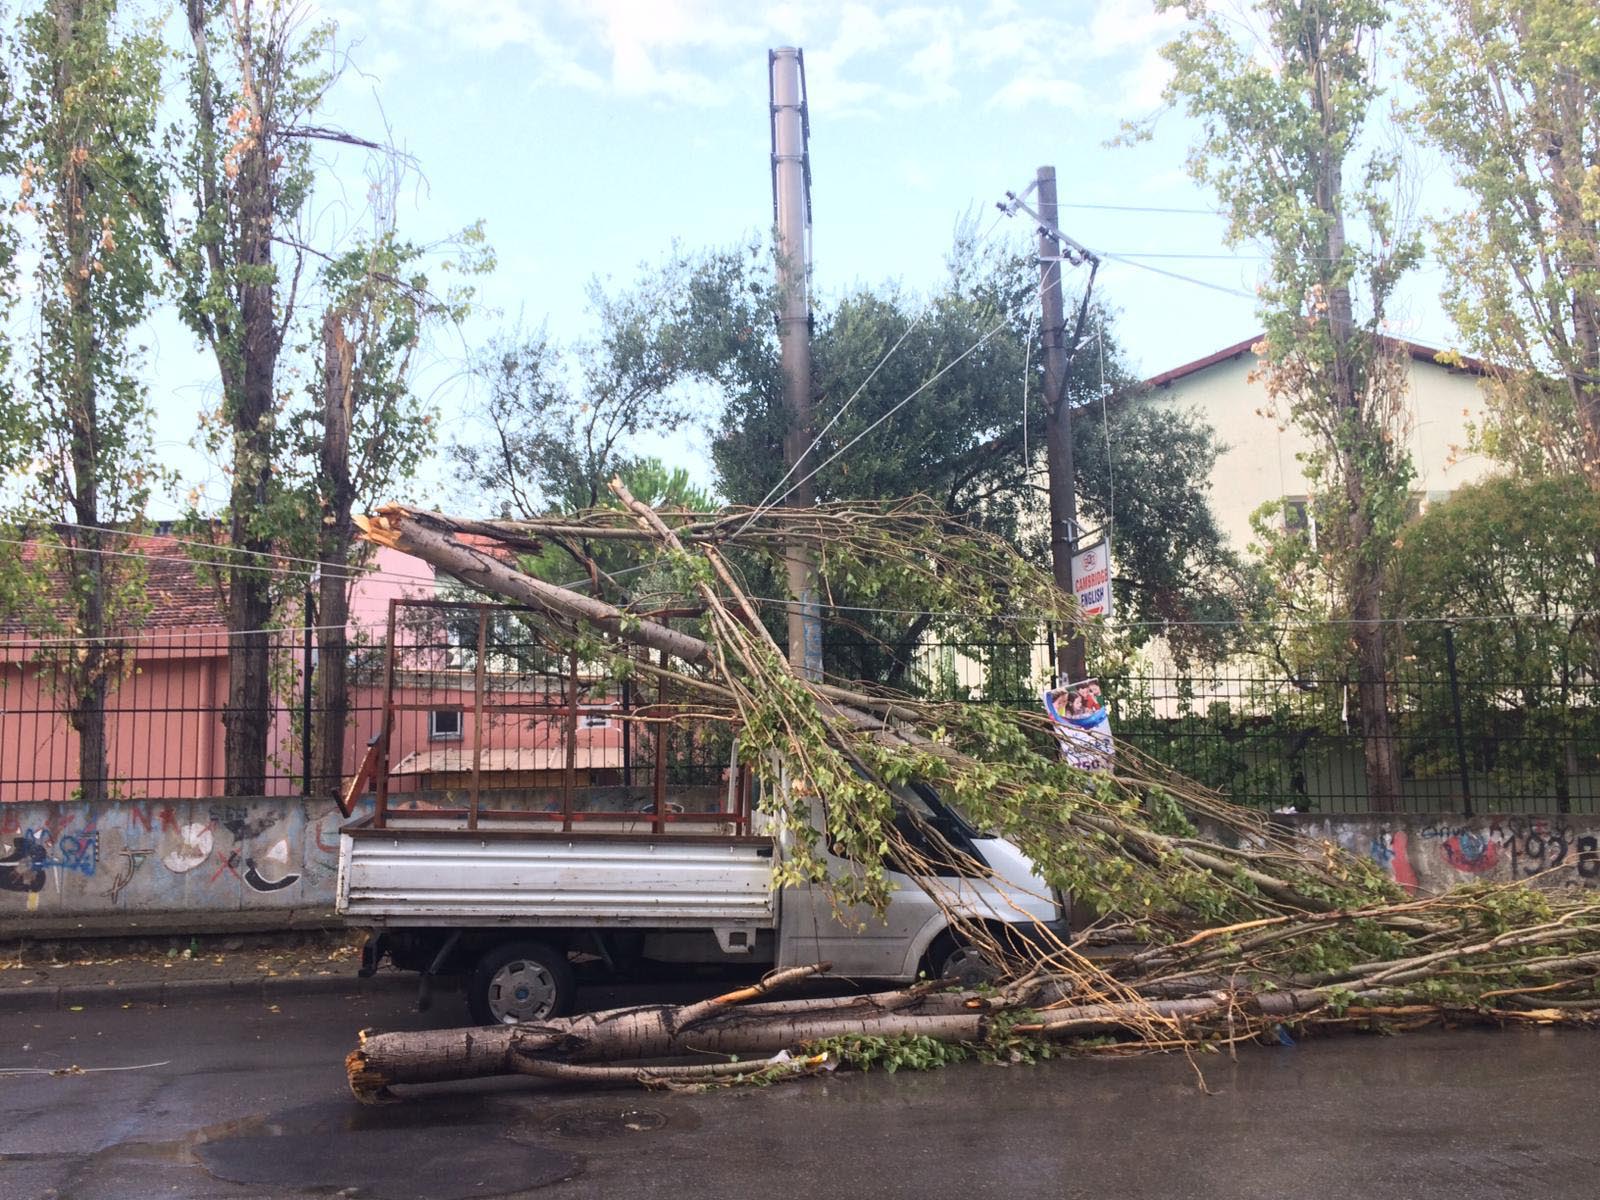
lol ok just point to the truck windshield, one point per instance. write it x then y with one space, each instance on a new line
928 804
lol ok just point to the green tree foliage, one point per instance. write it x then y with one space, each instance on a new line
1282 98
81 137
1510 93
963 440
556 423
1511 564
1520 553
244 167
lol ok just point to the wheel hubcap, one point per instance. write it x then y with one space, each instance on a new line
521 991
969 965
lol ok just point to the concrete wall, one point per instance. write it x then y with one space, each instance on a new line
1432 853
121 867
121 862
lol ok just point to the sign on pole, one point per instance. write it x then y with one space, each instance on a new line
1091 579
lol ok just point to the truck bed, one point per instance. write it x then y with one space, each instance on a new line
432 872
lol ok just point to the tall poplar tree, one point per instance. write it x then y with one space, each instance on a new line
1282 97
255 79
1510 93
83 137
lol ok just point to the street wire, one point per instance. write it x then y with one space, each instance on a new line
843 408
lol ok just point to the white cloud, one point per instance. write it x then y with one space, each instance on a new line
1140 87
1119 25
863 58
1030 90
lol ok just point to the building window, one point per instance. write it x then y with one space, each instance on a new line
445 724
1299 517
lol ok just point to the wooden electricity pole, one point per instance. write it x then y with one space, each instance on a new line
1070 660
791 204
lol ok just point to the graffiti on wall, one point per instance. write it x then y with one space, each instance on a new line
1431 855
74 857
36 851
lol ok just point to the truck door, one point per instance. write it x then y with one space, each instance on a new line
856 940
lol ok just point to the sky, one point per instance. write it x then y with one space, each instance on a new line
592 136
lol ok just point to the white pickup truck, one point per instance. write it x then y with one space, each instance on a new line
513 903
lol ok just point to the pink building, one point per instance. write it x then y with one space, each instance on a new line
164 717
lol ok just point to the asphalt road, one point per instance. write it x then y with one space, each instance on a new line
251 1102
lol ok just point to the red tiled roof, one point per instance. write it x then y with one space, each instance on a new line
1469 366
179 597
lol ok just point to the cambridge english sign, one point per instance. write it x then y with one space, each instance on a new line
1091 579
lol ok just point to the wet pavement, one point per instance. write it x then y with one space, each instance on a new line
251 1102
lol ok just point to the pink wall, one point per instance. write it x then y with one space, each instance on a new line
163 726
165 717
394 576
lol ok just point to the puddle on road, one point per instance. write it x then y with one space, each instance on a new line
602 1121
447 1149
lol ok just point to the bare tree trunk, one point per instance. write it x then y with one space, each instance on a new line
251 413
1380 753
333 549
1569 113
416 533
566 1048
1357 429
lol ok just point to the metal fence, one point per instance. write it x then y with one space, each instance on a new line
1466 740
478 708
485 717
165 712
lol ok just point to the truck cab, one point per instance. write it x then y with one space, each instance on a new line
517 912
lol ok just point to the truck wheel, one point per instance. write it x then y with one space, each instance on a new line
962 962
519 982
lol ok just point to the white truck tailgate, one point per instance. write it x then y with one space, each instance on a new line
421 878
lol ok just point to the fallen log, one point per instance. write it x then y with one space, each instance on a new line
382 1061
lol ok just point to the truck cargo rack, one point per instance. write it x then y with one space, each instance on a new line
489 727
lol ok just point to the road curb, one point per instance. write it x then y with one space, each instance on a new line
165 993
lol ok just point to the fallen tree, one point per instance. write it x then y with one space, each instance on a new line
1240 932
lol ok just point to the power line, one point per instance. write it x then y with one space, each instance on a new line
1233 622
832 421
1143 208
1216 287
922 387
816 441
219 564
1105 427
355 574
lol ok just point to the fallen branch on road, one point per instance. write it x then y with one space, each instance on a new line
1242 931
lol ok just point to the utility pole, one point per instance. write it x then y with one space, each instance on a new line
791 210
1058 415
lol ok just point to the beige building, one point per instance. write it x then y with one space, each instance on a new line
1260 462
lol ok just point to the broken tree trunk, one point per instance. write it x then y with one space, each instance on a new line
717 1027
401 530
